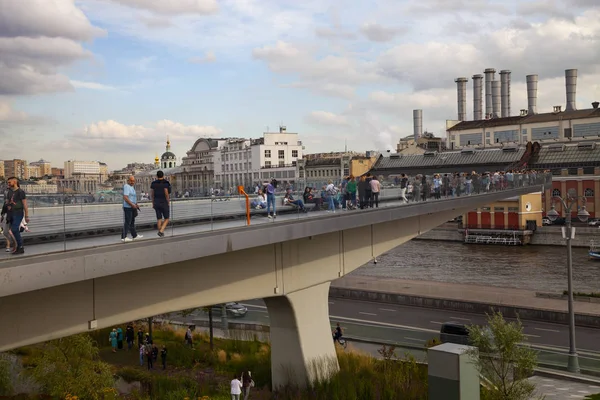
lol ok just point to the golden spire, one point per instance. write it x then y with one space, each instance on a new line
168 144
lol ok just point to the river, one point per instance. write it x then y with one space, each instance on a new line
539 268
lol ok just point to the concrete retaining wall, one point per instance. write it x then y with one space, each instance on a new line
533 314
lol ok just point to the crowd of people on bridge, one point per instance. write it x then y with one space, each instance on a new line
349 194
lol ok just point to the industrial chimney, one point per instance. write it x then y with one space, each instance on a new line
461 88
417 124
478 97
571 83
505 92
490 74
496 98
532 81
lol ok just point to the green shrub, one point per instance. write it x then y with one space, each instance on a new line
582 294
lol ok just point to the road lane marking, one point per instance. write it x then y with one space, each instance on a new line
531 335
415 339
461 319
546 330
331 302
366 313
437 323
387 309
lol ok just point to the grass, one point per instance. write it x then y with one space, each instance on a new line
195 373
593 397
582 294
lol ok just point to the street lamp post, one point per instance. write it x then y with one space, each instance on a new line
569 234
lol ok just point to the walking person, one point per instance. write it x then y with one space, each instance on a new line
351 188
5 227
270 191
140 337
149 356
129 336
362 192
142 349
17 211
368 192
236 388
247 383
375 189
120 338
403 187
331 193
160 191
130 211
163 356
112 338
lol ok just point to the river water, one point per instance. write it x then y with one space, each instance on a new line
539 268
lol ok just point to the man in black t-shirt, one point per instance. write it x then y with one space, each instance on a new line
17 210
160 191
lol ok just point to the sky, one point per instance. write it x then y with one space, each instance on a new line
109 80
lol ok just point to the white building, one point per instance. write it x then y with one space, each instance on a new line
39 187
248 162
44 167
81 167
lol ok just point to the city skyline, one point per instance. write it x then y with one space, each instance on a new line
108 80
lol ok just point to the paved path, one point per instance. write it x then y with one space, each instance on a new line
454 291
555 389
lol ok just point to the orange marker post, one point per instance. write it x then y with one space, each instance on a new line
243 192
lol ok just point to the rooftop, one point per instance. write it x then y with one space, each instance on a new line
527 119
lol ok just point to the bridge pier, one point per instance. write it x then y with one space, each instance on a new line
302 348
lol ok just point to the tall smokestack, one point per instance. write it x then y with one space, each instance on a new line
461 89
417 123
478 97
505 89
490 74
571 82
496 98
532 82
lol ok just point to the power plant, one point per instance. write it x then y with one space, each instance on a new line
498 93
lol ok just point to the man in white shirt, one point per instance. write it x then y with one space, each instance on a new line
130 210
236 388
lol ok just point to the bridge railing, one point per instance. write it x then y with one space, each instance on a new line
65 222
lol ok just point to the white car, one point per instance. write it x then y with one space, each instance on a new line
594 222
546 221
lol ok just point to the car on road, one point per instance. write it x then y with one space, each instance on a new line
594 222
546 221
454 332
233 309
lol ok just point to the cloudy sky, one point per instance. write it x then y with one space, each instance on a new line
110 79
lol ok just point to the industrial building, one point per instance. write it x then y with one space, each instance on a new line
567 142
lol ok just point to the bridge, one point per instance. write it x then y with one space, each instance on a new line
93 283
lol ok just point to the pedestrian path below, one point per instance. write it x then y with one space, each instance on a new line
555 389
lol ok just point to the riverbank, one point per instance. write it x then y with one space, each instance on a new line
543 236
465 298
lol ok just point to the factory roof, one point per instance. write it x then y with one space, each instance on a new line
527 119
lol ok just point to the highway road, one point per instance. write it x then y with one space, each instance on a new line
416 325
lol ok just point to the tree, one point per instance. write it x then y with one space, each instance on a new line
71 366
502 359
6 387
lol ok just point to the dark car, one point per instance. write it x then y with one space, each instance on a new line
454 332
233 309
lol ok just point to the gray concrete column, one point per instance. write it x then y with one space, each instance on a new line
302 348
452 373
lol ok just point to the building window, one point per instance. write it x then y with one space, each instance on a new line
556 193
588 192
267 153
513 209
294 153
267 164
282 163
498 209
281 154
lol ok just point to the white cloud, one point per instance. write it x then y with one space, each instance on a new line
92 86
326 118
378 33
105 135
37 38
209 57
52 18
9 115
203 7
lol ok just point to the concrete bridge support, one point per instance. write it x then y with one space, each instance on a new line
302 349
